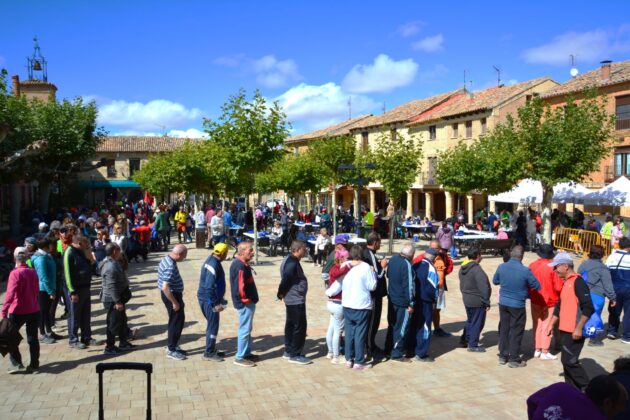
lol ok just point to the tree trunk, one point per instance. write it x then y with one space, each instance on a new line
15 209
333 209
392 226
546 214
44 196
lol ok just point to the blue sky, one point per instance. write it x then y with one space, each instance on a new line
161 66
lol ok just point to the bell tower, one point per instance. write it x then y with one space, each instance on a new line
37 86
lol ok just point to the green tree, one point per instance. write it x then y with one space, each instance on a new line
252 134
564 144
398 163
332 153
68 128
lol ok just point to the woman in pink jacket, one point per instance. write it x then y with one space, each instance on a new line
21 307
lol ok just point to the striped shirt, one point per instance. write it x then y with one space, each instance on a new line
169 273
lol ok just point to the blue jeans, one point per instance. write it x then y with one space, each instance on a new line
425 321
212 329
614 317
356 325
245 324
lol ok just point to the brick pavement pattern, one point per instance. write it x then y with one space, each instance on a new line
457 384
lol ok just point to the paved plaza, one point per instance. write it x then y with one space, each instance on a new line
459 384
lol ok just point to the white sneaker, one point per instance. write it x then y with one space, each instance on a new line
336 361
537 353
329 356
548 356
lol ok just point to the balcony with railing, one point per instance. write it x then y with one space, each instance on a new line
427 178
622 124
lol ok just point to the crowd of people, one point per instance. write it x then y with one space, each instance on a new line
57 263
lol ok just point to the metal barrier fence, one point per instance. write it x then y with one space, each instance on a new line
579 241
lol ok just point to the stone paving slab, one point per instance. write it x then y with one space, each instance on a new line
457 384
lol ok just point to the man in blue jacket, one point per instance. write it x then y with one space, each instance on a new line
401 294
211 294
619 265
426 296
515 280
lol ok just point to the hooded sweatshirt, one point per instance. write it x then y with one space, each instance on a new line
46 269
445 237
597 277
474 285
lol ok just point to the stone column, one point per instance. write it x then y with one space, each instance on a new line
409 203
308 201
470 208
428 203
449 203
492 206
372 201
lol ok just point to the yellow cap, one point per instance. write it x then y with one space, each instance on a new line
220 248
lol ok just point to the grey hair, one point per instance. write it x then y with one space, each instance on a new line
517 252
21 257
407 250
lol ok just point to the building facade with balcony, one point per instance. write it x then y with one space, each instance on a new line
612 81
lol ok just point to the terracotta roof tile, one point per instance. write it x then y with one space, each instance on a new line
619 73
479 101
405 111
342 128
141 144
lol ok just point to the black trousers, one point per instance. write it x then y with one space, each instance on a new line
295 329
375 320
574 373
45 320
512 328
32 323
475 321
116 324
175 320
391 322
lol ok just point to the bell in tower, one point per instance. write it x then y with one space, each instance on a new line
37 64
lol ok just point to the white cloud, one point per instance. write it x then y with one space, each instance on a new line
587 46
410 28
383 75
269 71
146 116
429 44
312 107
273 73
191 133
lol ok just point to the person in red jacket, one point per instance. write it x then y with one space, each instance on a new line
544 300
21 307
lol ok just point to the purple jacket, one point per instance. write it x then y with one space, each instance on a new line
445 236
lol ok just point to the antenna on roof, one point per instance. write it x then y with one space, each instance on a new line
384 107
574 71
350 107
163 127
498 70
464 80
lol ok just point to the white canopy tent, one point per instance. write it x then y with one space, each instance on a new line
566 192
616 194
529 191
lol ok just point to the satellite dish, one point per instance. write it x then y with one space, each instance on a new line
574 72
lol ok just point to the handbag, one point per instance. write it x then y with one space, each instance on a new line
125 296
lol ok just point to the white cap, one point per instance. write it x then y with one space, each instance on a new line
42 225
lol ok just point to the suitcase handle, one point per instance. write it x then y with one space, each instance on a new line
102 367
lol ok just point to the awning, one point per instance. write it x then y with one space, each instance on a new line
126 183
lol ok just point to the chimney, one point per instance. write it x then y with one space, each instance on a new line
605 69
16 85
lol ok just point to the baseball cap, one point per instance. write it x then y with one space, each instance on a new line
42 225
219 249
561 257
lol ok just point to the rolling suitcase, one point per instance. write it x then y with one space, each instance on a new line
102 367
